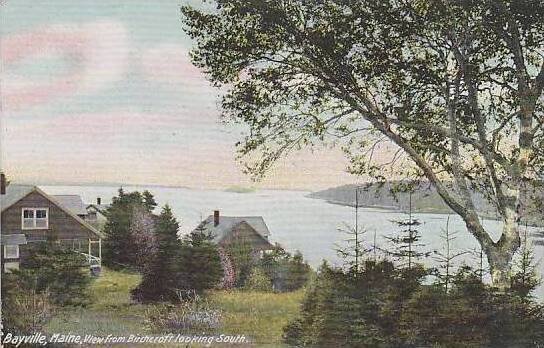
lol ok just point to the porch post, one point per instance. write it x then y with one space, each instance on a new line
89 251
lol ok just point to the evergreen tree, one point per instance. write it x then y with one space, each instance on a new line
120 249
149 201
55 270
143 236
525 278
287 272
406 244
161 280
353 251
200 263
446 257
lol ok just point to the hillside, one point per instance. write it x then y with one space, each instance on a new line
425 199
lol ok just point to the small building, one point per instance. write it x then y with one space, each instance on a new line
228 230
96 212
29 215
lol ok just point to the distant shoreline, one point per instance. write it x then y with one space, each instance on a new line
416 211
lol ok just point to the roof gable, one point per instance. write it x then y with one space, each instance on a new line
101 208
15 193
74 203
228 223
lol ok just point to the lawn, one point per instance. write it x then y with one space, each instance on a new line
258 316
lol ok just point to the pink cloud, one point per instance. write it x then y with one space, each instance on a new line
101 126
97 52
170 63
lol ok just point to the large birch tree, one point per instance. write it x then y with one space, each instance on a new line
455 86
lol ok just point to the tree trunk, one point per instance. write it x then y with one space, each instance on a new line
500 255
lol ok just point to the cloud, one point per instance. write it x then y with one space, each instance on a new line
170 63
98 126
97 53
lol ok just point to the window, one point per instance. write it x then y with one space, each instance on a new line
9 266
11 251
35 218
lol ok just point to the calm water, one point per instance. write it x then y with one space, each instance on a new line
300 223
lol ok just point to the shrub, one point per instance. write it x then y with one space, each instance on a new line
243 260
161 280
383 306
287 272
178 269
195 315
258 281
25 310
129 230
59 271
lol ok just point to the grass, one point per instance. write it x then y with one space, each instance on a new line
111 311
258 316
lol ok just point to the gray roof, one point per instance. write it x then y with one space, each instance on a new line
73 203
12 239
227 223
14 193
99 207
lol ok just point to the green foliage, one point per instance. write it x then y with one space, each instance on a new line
148 201
258 280
406 244
161 281
122 244
383 306
25 310
58 271
193 316
456 86
243 260
179 268
287 272
200 262
525 277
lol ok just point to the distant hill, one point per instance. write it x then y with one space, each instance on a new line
425 199
240 189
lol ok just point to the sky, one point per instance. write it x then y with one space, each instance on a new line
103 91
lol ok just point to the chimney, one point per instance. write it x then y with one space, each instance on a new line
98 200
216 217
2 183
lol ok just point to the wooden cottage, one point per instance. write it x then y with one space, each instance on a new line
97 213
29 215
228 230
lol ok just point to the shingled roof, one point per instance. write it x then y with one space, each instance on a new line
227 223
73 203
13 239
14 193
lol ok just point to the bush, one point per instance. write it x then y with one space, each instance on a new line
287 272
179 268
25 310
62 273
195 316
258 281
384 306
129 230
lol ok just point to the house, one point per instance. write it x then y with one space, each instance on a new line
228 230
96 213
29 215
73 203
